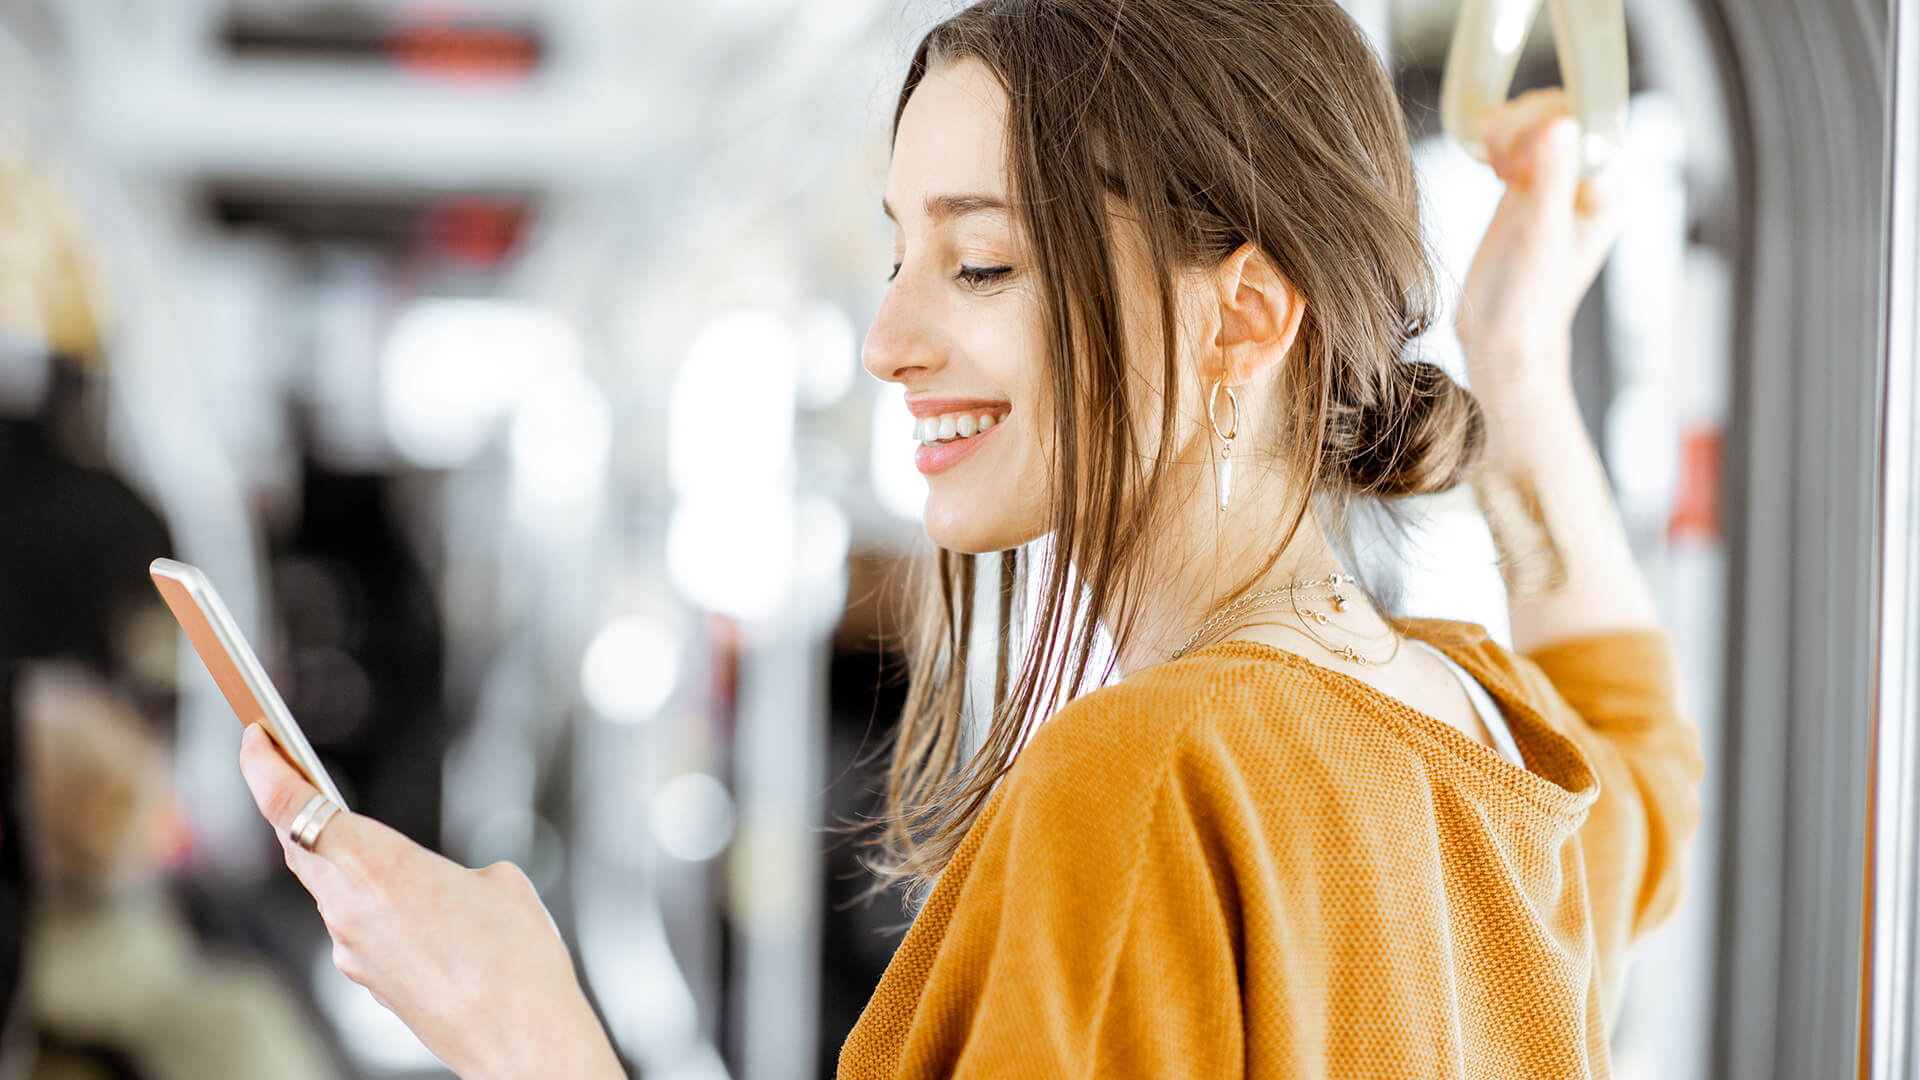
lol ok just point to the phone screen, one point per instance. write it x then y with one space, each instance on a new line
234 667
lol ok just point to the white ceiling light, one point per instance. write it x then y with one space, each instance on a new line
630 669
692 817
730 419
559 442
827 361
733 552
450 369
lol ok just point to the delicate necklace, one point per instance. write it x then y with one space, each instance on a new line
1346 652
1292 593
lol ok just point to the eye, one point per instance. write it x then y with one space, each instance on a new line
980 276
894 273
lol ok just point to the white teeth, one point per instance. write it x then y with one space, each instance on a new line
938 429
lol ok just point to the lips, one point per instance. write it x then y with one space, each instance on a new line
924 407
939 457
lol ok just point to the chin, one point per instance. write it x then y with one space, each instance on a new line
971 526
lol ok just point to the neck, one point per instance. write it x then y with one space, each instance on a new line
1209 556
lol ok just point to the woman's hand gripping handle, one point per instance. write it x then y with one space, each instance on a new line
1569 567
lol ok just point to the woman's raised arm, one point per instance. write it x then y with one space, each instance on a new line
1569 569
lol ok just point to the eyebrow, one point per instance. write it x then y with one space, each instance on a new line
945 207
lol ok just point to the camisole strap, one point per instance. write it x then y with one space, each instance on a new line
1483 703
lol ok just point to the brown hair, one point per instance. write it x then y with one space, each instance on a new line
1218 123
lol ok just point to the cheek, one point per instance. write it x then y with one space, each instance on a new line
1003 497
999 499
1150 383
1005 345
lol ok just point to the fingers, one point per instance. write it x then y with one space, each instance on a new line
1507 130
1533 143
1543 156
278 788
1553 156
1605 191
281 793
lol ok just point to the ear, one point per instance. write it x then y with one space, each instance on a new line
1259 311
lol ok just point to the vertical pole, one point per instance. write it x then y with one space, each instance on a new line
1893 866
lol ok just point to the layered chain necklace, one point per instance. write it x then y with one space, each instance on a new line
1292 594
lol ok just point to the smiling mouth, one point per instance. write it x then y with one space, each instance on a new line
953 427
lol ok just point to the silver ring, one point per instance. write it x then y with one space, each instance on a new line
310 836
311 819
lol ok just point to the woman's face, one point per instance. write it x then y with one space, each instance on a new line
962 326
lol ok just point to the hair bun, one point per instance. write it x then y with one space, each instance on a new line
1417 435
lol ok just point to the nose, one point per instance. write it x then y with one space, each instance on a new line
900 344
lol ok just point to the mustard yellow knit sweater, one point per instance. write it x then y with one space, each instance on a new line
1242 863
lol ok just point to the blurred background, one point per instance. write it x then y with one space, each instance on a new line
498 360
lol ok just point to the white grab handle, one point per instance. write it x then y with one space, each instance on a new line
1591 38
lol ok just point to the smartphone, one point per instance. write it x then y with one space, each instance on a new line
234 667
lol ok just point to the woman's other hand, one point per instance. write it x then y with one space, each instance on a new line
1548 238
468 959
1569 568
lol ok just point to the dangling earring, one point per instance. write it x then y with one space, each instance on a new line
1223 476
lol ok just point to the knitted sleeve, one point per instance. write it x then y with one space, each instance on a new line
1623 685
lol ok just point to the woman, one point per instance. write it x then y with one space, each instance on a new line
1155 267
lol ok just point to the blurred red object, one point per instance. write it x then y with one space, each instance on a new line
1696 502
446 50
478 231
